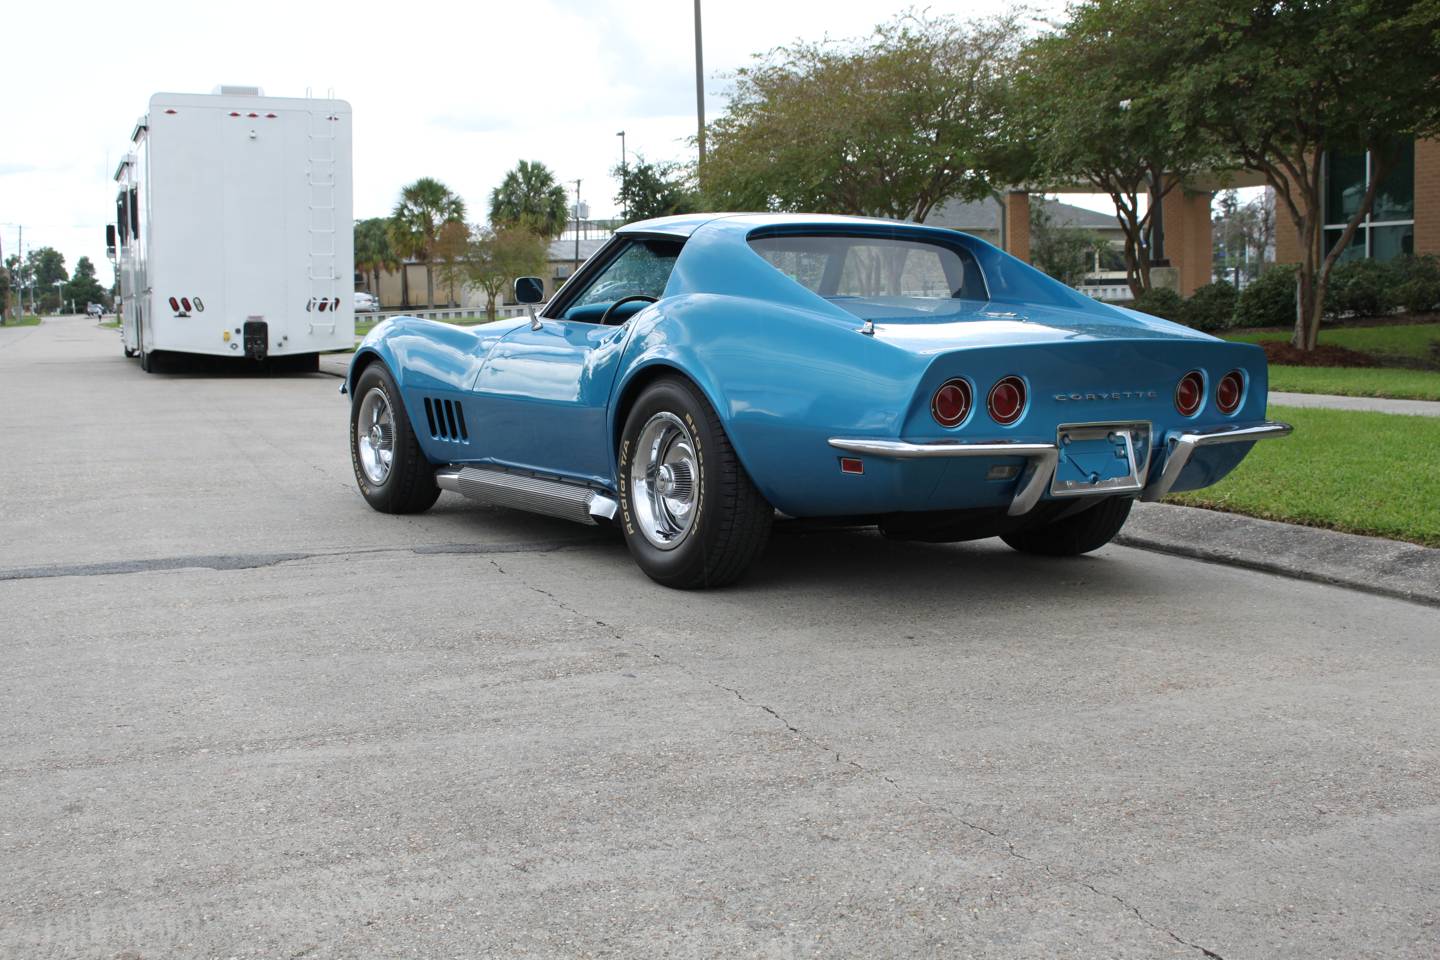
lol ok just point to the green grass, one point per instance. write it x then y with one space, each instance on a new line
1408 342
27 321
1358 382
1371 473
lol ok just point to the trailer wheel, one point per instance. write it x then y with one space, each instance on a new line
390 469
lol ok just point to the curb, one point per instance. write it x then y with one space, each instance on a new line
1388 568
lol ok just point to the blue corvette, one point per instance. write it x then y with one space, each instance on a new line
701 373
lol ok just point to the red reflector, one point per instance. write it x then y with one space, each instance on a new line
1227 395
323 305
335 304
1007 400
169 111
852 465
951 403
1189 393
185 302
174 305
234 114
269 116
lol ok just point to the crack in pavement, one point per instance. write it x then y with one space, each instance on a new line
820 745
252 561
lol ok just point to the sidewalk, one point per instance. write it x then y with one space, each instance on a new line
1418 408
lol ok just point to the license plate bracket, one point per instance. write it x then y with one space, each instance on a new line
1101 458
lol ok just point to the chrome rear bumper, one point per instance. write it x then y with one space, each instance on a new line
1039 467
1041 458
1182 447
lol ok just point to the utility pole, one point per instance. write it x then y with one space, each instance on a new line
624 179
577 228
699 86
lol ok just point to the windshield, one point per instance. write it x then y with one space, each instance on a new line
871 267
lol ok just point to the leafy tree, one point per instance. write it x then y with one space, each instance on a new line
1087 104
492 257
892 125
1242 234
373 252
425 206
452 252
47 267
649 190
4 294
1062 250
1281 84
83 288
529 197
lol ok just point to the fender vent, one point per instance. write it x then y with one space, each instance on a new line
446 419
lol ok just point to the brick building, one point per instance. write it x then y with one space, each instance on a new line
1405 218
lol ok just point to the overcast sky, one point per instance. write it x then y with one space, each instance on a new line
453 90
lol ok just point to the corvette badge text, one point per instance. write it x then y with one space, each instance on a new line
1111 395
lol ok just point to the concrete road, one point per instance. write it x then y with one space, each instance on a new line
242 715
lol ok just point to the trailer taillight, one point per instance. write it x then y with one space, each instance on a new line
174 305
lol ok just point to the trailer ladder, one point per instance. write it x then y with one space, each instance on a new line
320 200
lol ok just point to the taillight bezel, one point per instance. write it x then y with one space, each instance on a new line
1018 383
968 392
1236 377
1198 378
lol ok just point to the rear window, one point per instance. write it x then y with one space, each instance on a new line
866 266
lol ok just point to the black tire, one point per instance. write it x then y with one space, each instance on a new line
149 362
1076 534
409 485
731 520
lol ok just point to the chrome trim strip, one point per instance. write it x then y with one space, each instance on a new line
553 498
1040 466
1182 447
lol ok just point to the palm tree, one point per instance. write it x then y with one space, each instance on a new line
529 197
372 250
424 208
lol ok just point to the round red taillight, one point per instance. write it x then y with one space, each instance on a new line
1006 400
951 403
1229 392
1189 393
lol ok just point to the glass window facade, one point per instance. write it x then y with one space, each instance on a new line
1389 230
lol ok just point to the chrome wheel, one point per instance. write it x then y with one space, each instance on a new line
665 481
375 436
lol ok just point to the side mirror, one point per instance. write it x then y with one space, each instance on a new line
110 240
529 290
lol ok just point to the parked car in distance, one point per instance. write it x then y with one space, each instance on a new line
366 302
701 374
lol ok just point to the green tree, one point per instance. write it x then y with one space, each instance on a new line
1088 106
1062 250
892 125
649 190
424 207
1242 234
1281 84
47 267
4 294
494 256
83 288
529 197
372 250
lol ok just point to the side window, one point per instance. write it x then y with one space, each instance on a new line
135 212
642 269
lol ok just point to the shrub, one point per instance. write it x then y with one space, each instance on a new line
1212 307
1268 300
1160 302
1417 282
1362 287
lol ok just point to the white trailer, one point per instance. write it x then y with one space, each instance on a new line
233 229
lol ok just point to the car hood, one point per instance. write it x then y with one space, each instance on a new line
927 325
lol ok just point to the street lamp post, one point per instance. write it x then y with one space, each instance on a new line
59 297
624 179
699 87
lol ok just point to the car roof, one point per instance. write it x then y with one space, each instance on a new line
683 225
